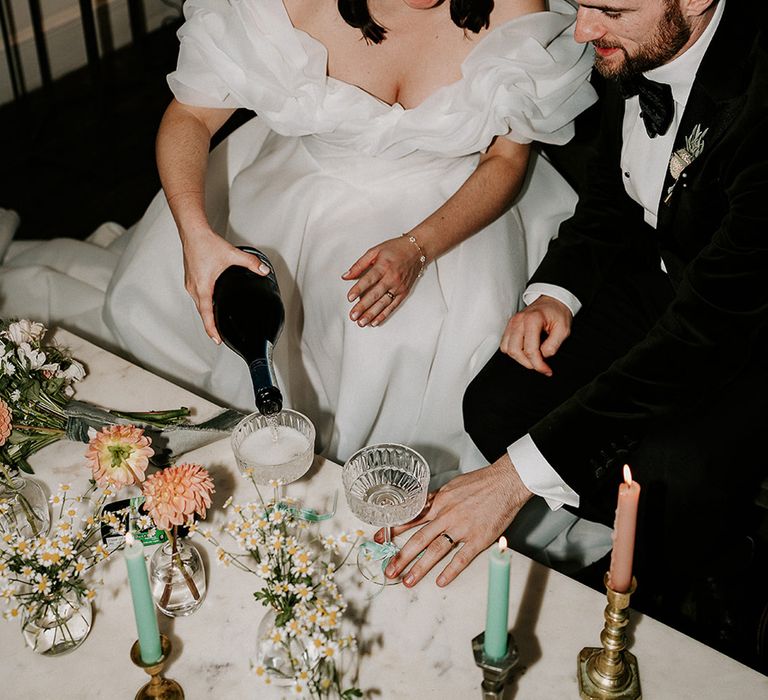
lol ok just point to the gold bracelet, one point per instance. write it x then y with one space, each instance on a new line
422 257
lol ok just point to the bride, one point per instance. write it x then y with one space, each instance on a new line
388 175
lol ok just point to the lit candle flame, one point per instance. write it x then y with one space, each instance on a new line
502 543
627 475
129 538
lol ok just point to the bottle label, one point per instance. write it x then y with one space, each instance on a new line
128 512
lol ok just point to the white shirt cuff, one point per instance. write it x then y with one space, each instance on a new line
538 475
534 291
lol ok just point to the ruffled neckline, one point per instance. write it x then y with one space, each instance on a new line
397 106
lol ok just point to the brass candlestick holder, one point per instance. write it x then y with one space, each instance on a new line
610 672
158 688
495 671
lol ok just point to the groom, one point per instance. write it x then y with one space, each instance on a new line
644 339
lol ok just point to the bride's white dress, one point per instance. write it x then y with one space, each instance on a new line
324 172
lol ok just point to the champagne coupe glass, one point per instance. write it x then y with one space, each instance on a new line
274 450
385 485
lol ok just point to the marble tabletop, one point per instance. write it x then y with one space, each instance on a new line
414 643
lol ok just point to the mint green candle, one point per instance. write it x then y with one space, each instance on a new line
497 612
143 605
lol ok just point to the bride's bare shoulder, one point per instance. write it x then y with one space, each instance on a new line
303 11
506 10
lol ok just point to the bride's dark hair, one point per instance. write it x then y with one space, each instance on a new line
467 14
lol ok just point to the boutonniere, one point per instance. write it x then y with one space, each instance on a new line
683 157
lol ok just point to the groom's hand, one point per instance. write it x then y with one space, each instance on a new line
470 513
536 333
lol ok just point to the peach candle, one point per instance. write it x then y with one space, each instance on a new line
620 574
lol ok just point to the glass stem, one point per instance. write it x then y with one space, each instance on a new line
387 534
277 493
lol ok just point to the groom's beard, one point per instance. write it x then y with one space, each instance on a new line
670 36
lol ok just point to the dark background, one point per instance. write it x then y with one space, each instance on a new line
82 151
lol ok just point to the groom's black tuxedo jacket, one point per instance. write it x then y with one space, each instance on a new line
712 234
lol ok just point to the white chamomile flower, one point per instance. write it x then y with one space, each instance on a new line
293 627
79 566
330 650
12 613
264 570
42 585
316 642
304 591
15 395
223 557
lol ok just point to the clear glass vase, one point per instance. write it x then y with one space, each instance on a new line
280 660
177 577
60 625
23 507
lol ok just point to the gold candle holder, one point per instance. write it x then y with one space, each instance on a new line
610 672
158 688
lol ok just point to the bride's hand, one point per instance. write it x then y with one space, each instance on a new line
206 256
385 275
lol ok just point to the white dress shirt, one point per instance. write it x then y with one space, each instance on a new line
644 163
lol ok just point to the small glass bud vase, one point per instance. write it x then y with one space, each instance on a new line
279 655
59 625
23 507
177 577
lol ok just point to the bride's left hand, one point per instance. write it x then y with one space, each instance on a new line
385 275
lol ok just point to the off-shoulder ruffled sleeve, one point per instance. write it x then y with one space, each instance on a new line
526 79
533 75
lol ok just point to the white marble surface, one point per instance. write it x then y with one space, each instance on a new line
416 642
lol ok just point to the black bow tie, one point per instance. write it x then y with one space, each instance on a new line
656 104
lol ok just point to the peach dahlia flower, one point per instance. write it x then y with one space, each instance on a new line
5 422
174 495
119 455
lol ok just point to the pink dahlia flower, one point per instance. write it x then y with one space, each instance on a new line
174 495
5 422
119 455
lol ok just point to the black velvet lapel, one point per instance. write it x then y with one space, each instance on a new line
716 97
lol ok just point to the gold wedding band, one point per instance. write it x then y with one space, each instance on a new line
448 537
390 295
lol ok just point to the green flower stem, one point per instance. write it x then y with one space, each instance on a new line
40 429
156 418
176 558
29 513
